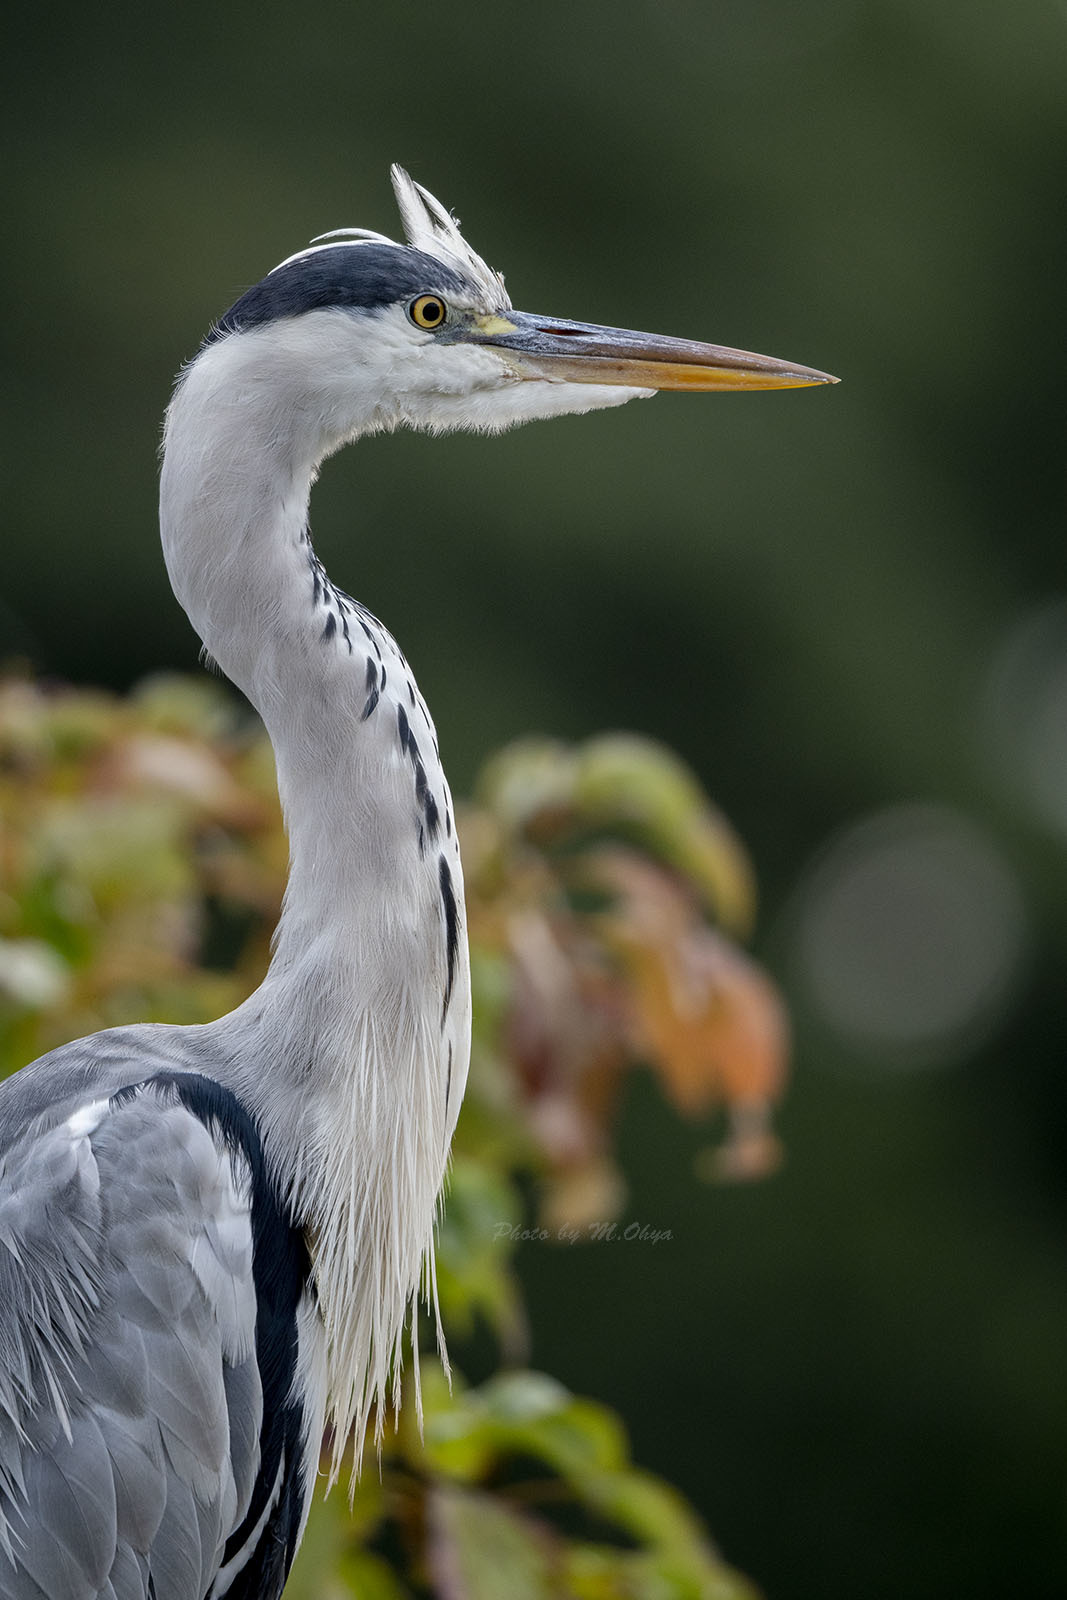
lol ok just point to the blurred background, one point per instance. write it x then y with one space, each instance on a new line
846 608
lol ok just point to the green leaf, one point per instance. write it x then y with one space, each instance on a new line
483 1550
365 1576
601 1572
474 1251
519 1397
173 703
454 1441
645 1507
626 780
535 1415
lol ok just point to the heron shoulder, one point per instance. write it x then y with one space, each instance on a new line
153 1298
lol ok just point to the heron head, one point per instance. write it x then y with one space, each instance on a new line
378 334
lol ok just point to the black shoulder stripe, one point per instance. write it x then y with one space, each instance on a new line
281 1272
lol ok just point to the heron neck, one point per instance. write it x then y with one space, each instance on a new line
375 887
353 1052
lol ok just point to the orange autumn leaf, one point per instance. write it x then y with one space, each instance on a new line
710 1022
706 1016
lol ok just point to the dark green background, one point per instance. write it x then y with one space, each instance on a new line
855 1370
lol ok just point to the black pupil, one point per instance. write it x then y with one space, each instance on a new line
431 311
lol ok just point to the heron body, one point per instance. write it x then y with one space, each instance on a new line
212 1238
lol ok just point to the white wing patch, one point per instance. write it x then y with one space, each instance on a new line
87 1119
79 1128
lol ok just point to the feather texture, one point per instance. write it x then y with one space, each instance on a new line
428 227
132 1452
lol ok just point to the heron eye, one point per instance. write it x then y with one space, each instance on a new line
427 311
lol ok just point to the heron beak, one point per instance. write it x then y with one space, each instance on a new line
581 352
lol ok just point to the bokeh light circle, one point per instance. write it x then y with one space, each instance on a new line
909 936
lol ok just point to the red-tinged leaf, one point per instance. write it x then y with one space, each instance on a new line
703 1013
575 1197
711 1022
185 768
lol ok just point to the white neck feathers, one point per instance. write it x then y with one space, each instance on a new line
353 1052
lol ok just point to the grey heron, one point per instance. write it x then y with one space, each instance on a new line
212 1238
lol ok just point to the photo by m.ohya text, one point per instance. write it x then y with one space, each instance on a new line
584 1233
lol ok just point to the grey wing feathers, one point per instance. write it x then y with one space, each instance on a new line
131 1405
